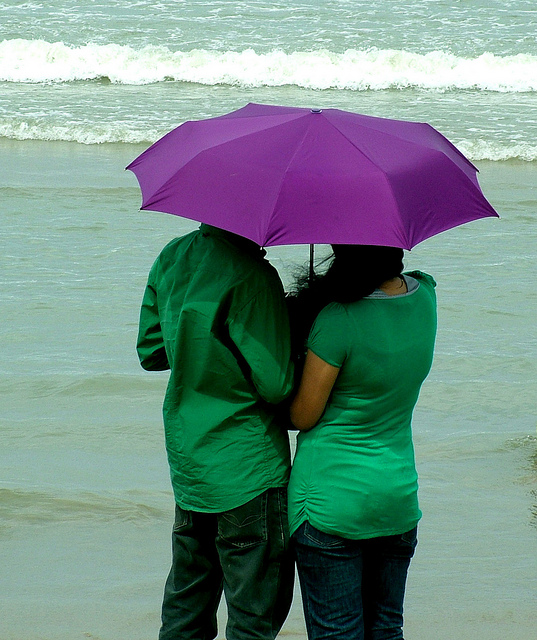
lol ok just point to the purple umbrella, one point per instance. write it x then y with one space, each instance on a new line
288 175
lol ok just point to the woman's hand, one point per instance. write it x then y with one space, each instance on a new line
315 387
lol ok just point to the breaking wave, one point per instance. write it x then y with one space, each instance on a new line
84 133
37 61
92 133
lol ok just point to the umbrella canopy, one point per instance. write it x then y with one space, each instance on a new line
289 175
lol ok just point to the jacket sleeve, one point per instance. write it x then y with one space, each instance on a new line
150 345
260 331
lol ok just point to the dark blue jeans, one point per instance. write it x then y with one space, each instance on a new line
353 589
244 552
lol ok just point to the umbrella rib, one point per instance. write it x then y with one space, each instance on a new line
155 197
414 144
382 173
297 148
284 173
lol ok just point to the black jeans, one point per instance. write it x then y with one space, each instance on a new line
244 552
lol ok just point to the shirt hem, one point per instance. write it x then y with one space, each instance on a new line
225 505
396 531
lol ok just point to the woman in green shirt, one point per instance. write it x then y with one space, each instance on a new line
353 504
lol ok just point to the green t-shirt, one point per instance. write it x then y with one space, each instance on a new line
214 313
354 473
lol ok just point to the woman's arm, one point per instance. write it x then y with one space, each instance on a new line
317 381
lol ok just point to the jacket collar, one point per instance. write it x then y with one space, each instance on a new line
244 244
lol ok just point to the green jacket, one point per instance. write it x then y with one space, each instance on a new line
214 314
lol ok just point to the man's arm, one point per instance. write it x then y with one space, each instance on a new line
150 345
260 330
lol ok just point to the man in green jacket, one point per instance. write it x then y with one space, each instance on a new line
214 314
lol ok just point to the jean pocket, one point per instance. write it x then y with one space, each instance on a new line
410 537
182 518
316 538
403 545
245 526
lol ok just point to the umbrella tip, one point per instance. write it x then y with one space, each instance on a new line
316 110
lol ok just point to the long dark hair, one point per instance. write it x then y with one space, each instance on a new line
354 272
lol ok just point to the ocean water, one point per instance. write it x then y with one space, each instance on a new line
85 502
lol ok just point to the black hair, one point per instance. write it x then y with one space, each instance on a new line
354 272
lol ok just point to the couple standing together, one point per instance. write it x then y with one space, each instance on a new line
215 314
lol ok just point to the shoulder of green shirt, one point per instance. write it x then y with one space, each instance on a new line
421 276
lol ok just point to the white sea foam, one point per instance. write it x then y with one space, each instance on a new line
36 61
480 149
92 133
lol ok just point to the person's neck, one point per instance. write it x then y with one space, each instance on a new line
394 286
